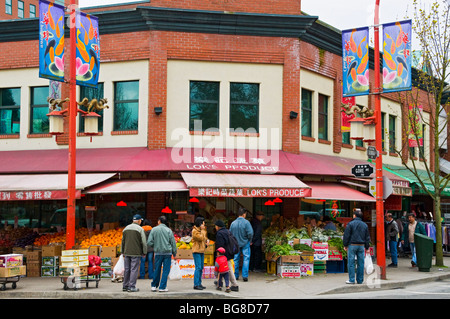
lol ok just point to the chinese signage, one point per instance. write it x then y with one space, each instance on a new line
355 61
249 192
36 195
51 41
397 56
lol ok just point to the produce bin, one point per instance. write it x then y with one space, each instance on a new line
424 251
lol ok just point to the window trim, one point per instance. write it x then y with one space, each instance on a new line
33 106
20 10
11 107
308 110
32 12
116 102
209 130
257 104
8 6
393 140
324 115
80 124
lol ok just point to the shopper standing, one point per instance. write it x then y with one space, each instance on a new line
243 231
356 243
149 257
199 244
133 248
391 238
412 228
163 242
222 240
256 245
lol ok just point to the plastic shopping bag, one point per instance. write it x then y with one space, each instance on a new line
175 272
368 264
119 268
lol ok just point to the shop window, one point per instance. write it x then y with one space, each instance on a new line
39 110
203 106
323 117
269 211
244 106
20 11
392 120
9 111
8 7
126 106
32 11
306 113
346 138
91 93
383 115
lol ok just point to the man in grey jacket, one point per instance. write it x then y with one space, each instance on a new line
134 246
243 231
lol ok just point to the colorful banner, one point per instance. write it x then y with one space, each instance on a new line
88 50
355 58
348 112
397 56
51 41
54 92
415 126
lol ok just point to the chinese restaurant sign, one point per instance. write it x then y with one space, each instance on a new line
249 192
51 41
36 195
397 56
88 50
355 61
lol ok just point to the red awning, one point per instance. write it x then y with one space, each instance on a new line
138 186
336 191
244 185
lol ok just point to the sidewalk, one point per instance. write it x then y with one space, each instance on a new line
259 286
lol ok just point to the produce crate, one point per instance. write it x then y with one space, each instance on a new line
271 267
209 260
335 266
320 267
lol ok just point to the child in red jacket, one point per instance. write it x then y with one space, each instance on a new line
221 267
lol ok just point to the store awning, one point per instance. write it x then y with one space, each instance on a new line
45 186
138 186
336 191
244 185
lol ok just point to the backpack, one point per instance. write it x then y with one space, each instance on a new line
232 246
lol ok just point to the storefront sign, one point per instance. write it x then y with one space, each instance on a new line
36 195
249 192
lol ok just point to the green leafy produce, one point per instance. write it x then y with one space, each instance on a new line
283 250
303 247
337 242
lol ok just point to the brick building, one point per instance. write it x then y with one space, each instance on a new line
263 78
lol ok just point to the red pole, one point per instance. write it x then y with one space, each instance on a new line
381 258
71 204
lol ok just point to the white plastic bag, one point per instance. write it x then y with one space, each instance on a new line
368 264
175 272
119 268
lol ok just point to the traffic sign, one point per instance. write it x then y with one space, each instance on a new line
362 170
372 152
387 187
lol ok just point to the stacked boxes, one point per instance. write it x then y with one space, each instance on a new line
50 260
108 255
74 262
208 272
34 262
11 265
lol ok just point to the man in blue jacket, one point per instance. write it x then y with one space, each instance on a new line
356 243
243 231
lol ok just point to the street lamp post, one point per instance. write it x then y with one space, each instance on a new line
381 259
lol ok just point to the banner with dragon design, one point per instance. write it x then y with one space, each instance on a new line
397 56
51 41
88 50
355 61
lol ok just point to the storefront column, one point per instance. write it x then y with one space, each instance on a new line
155 203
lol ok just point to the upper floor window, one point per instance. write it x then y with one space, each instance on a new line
392 120
91 93
244 106
126 106
383 137
8 6
9 111
323 117
38 110
32 11
306 113
203 106
20 9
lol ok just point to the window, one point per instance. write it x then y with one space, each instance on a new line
9 111
20 10
39 110
323 117
203 106
382 130
392 133
32 11
8 6
306 113
359 143
244 106
126 106
91 93
422 148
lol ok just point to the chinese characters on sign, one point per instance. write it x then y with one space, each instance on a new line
231 163
35 195
249 192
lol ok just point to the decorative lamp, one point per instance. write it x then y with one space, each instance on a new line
369 132
269 203
91 123
193 200
166 210
277 200
121 204
357 128
56 122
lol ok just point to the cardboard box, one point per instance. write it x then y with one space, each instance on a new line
108 252
187 267
11 260
33 272
34 265
49 271
51 250
334 254
50 261
184 254
295 259
94 250
210 249
307 269
74 258
106 262
209 260
307 257
208 272
107 272
13 271
35 255
72 271
75 252
74 263
288 270
114 261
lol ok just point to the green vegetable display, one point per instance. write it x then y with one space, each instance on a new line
302 247
284 250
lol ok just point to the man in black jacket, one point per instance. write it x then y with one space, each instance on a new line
222 235
356 243
256 244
